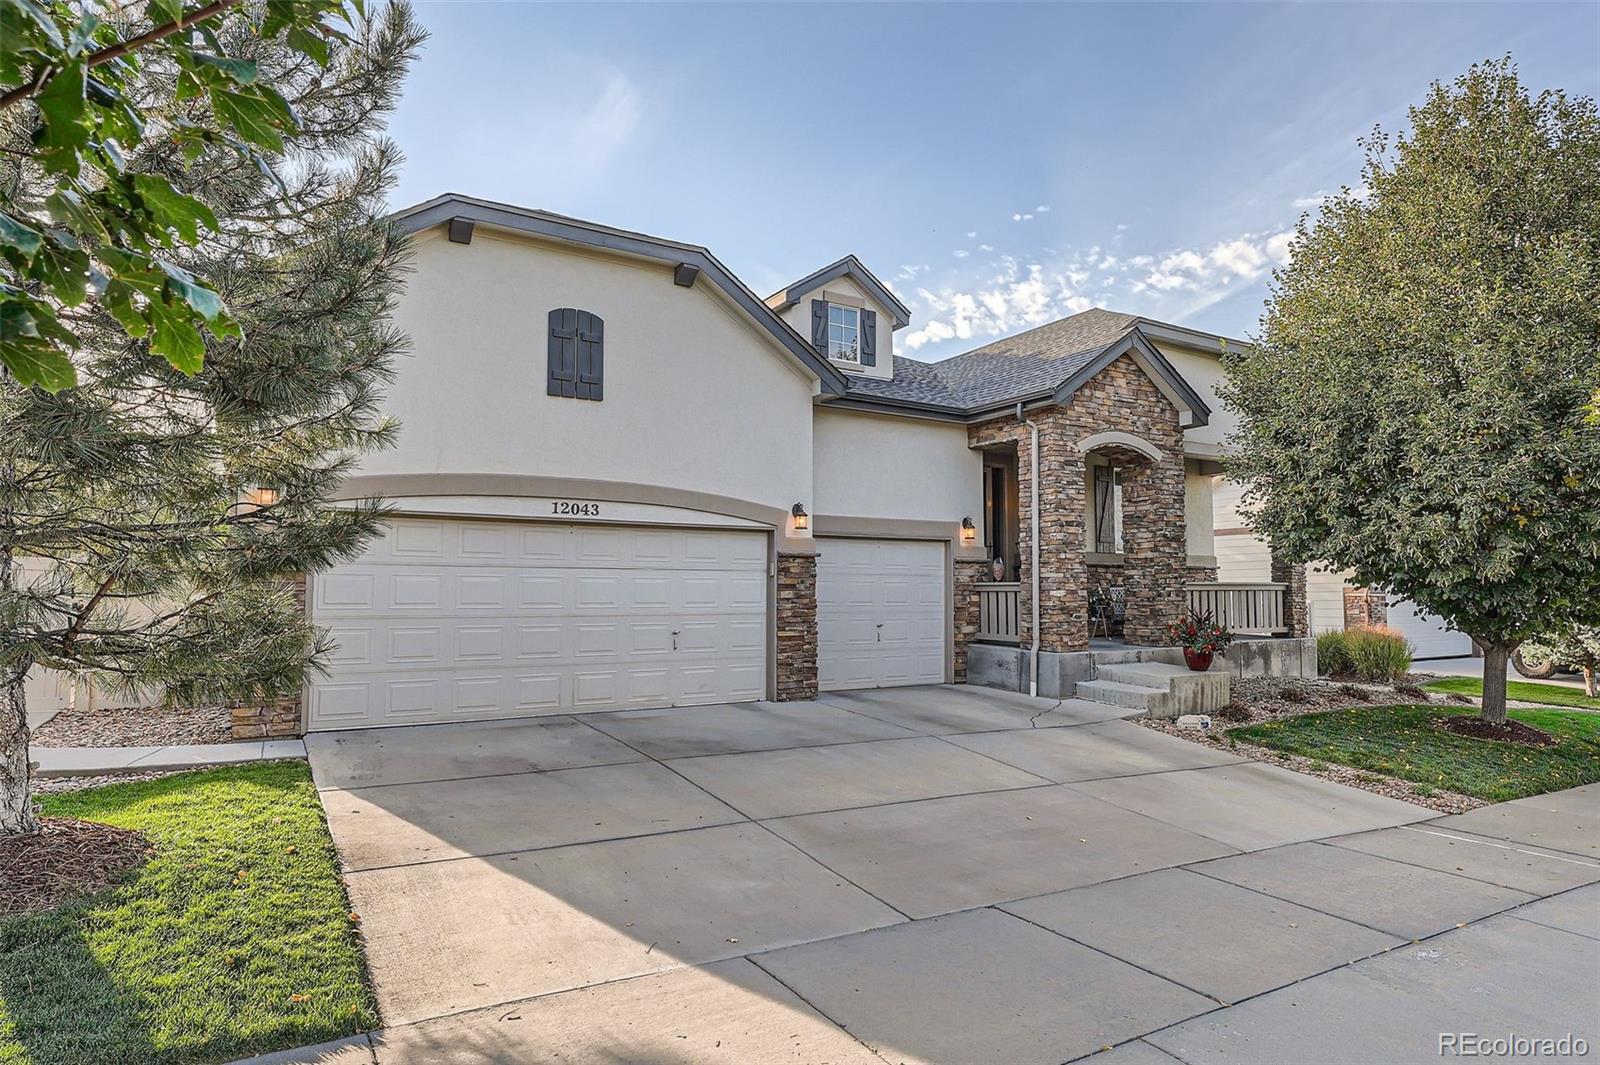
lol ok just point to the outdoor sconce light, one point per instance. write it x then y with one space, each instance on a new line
969 532
802 520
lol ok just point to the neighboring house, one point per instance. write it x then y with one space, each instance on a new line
1334 600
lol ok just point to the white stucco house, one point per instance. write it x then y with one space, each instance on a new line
626 480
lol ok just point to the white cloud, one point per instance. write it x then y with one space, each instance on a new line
961 253
971 234
1022 217
1043 208
986 247
1020 296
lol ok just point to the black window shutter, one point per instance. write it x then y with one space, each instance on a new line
869 338
591 355
563 352
577 354
819 325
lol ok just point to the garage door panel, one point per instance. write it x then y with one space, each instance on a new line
447 620
881 616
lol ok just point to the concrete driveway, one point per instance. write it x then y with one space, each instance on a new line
938 874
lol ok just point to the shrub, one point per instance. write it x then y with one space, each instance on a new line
1333 653
1378 653
1353 692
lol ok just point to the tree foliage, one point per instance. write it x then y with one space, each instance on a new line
86 228
150 518
1417 407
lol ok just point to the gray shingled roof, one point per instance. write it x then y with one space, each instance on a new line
1015 367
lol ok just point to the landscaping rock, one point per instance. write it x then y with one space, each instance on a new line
136 726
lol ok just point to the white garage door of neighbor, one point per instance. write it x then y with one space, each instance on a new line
880 613
1426 631
446 620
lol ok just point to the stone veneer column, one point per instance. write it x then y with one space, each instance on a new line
278 718
969 573
1365 607
1063 573
1155 549
1297 615
797 627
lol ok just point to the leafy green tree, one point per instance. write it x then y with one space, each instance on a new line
1417 407
88 228
152 519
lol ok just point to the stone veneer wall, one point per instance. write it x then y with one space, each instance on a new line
797 627
1362 606
1202 575
281 717
969 573
1120 397
1297 611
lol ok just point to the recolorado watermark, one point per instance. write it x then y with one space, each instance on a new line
1474 1045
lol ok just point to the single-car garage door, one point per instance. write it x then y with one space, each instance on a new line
1426 632
445 620
881 617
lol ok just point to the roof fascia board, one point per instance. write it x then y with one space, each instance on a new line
443 208
1207 343
904 408
858 272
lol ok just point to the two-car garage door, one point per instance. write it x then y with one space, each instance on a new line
446 620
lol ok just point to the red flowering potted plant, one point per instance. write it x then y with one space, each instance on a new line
1201 638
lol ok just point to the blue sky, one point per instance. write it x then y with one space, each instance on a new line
999 166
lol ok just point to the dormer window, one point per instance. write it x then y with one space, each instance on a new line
844 333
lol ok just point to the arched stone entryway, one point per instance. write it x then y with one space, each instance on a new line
1135 539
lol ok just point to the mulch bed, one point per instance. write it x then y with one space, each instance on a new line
1274 698
136 726
66 858
1510 732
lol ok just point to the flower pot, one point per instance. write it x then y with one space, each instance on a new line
1199 661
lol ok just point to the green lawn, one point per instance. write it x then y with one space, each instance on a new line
234 939
1405 742
1522 691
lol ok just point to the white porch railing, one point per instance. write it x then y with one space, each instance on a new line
1255 609
997 611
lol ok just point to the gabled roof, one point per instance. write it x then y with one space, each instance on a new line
1050 362
856 271
442 209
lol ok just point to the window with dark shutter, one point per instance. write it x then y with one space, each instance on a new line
869 338
577 354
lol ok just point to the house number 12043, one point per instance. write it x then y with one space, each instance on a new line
586 510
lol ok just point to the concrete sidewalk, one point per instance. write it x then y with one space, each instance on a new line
1473 667
98 761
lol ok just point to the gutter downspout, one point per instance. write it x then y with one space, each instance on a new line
1033 538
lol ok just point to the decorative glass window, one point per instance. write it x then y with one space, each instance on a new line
1107 510
844 333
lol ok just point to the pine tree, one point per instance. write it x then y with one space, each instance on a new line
150 522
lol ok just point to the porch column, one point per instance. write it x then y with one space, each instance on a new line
1296 610
1063 574
1155 548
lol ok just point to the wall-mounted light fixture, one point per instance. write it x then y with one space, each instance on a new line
802 520
969 532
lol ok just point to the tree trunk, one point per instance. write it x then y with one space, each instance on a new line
17 815
1588 682
1494 683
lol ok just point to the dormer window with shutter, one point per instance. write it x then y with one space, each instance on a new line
577 354
847 335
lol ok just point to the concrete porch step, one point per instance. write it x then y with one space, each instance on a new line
1116 693
1144 674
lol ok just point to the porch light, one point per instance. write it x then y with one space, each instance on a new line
969 532
802 520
